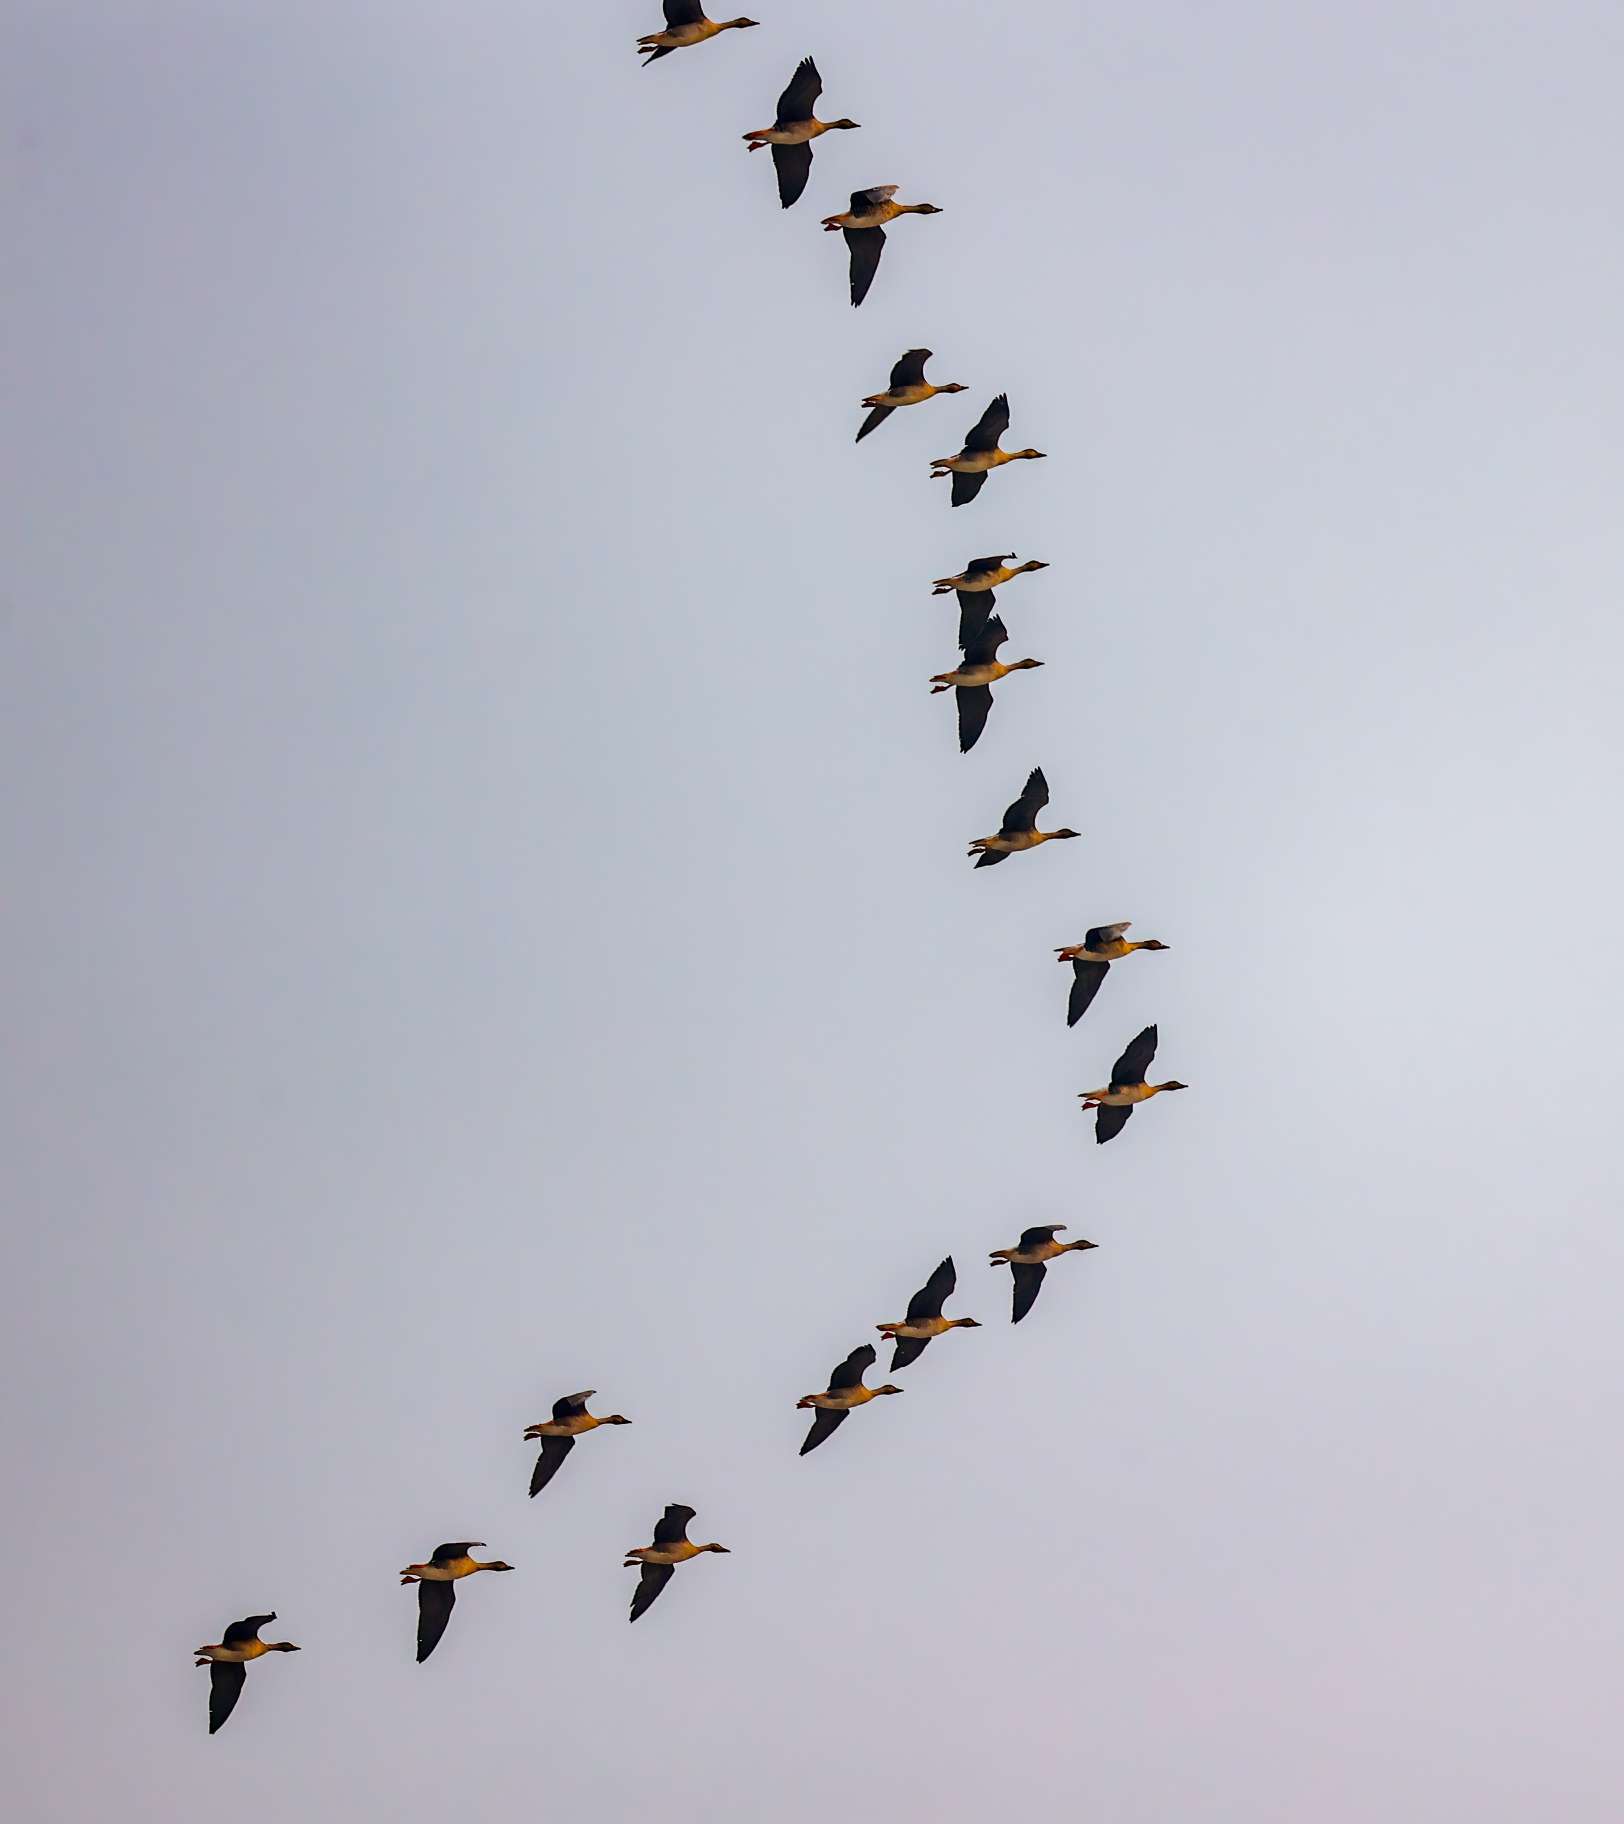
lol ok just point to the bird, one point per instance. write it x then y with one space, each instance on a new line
973 678
1028 1262
1019 829
671 1547
1126 1089
227 1660
685 25
845 1391
908 386
980 453
864 227
1091 960
793 130
558 1434
985 573
436 1588
924 1319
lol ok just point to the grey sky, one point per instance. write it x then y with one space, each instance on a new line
489 911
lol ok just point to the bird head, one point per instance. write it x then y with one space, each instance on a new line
1063 835
615 1418
496 1564
953 386
1027 665
1173 1085
887 1388
714 1548
280 1646
925 209
1028 455
1034 563
965 1323
848 125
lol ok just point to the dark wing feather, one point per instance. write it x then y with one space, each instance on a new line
1086 979
908 1349
654 1579
1097 936
1028 1283
572 1405
864 200
990 858
246 1629
1109 1122
934 1293
1045 1231
824 1425
975 705
800 96
683 12
553 1453
672 1526
866 244
225 1687
1023 813
874 420
910 370
435 1601
966 488
455 1548
990 426
979 566
851 1371
983 649
794 166
975 605
1135 1061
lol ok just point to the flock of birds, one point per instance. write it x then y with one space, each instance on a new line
981 635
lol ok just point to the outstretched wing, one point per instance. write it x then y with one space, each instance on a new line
1028 1283
1086 979
874 420
975 605
654 1579
454 1549
864 200
1109 1122
991 634
908 1349
435 1601
246 1629
850 1372
979 566
990 858
683 12
1097 936
794 166
824 1425
1135 1061
966 488
800 97
934 1293
1033 1238
572 1405
225 1687
553 1453
672 1526
975 705
866 244
910 370
990 426
1022 815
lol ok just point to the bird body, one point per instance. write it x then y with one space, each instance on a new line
864 227
685 26
1028 1262
557 1435
908 386
436 1587
924 1321
981 453
228 1660
671 1547
845 1393
793 130
1019 829
980 668
1091 962
985 573
1127 1088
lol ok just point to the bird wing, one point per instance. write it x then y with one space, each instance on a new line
910 370
1045 1231
979 566
966 488
866 244
908 1349
553 1453
225 1687
801 94
824 1424
1022 815
1028 1283
850 1372
1086 979
975 705
975 605
934 1293
990 858
991 634
654 1579
1098 935
435 1601
874 420
672 1526
864 200
1110 1122
794 166
246 1629
1135 1061
990 426
572 1405
683 12
453 1549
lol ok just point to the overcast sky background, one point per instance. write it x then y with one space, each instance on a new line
489 913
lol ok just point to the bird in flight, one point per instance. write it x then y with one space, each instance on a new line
793 130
